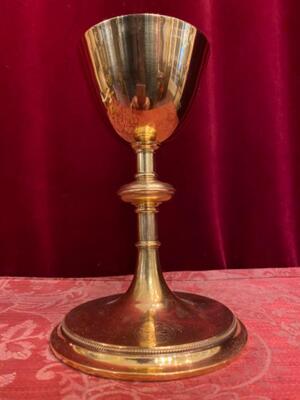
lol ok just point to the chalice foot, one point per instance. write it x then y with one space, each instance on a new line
111 337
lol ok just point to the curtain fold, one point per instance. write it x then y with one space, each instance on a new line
234 162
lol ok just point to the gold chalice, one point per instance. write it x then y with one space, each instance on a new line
146 69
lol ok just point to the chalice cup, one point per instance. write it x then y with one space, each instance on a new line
146 69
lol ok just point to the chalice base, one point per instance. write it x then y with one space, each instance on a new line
189 335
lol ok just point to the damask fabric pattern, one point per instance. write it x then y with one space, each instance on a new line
267 300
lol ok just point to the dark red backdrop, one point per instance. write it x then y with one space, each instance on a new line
235 163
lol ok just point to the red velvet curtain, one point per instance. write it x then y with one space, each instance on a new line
234 163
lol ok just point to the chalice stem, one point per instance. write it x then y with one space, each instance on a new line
148 284
146 193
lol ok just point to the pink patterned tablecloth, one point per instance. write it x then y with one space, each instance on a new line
267 301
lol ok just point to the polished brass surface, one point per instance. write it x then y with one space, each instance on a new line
146 68
78 342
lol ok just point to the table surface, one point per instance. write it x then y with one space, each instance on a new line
266 300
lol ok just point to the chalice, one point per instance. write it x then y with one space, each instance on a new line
146 69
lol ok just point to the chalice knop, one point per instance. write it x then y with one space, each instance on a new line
146 69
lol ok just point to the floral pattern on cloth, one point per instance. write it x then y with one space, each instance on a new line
266 300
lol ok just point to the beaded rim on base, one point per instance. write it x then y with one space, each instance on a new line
148 364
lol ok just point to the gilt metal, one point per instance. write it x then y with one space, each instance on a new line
146 69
